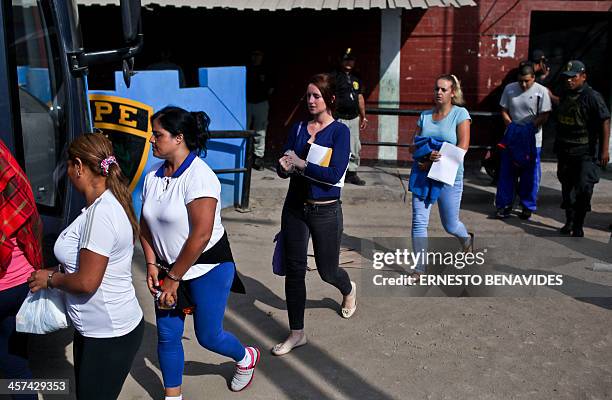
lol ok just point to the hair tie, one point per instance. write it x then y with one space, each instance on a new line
106 163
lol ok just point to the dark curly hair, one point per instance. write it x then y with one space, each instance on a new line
193 125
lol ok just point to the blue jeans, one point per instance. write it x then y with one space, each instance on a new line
209 293
525 180
449 204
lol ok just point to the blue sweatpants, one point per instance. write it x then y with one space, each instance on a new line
526 182
209 292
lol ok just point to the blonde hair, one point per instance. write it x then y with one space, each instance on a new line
457 99
92 149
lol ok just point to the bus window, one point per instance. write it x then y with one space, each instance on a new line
40 99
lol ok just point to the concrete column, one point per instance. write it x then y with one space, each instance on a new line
610 144
610 108
389 85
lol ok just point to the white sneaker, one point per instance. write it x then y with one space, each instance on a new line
244 375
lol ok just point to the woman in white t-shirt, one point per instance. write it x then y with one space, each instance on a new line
96 251
183 238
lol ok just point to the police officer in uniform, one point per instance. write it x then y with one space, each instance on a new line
582 141
538 60
259 88
350 110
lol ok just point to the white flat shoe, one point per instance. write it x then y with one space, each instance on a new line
348 312
284 348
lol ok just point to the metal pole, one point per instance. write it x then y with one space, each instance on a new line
413 112
246 182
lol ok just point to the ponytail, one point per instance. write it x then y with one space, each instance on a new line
457 99
202 121
118 185
96 151
193 126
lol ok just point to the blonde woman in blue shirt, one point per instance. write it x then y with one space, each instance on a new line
448 122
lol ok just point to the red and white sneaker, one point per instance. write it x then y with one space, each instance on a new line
244 375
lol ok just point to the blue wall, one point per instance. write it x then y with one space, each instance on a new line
222 95
36 81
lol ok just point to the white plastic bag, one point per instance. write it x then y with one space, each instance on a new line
42 312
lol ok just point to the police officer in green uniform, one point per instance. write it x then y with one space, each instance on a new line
581 145
350 110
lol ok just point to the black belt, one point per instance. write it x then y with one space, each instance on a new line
221 252
346 116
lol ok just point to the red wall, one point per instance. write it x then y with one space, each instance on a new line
462 41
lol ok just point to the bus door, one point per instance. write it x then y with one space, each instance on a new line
33 92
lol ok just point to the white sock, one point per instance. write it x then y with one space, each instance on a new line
179 397
246 361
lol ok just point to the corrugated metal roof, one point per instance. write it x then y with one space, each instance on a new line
273 5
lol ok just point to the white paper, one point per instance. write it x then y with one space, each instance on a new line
445 169
321 155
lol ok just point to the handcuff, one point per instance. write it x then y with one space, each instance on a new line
301 171
157 296
168 273
60 268
49 278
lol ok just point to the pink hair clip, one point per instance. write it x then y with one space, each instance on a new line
106 163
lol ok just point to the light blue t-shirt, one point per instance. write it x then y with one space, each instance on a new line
445 129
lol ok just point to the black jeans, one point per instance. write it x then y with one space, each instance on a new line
102 364
324 223
13 345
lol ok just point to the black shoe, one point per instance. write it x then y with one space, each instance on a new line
569 222
566 229
351 177
503 213
525 214
258 164
577 232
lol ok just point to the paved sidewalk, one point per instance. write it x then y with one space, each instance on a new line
398 346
